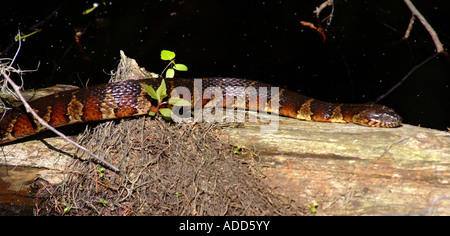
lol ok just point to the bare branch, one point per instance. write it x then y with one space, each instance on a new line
322 6
29 109
431 31
41 121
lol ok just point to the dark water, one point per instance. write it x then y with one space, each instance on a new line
362 57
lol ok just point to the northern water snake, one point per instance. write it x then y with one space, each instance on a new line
125 99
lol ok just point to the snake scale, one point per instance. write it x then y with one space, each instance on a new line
128 98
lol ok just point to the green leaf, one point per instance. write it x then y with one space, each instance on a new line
67 209
237 149
100 172
166 112
180 67
167 55
151 113
170 73
179 102
87 11
313 207
103 202
150 91
161 92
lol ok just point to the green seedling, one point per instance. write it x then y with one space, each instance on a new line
161 93
238 149
167 55
313 207
101 172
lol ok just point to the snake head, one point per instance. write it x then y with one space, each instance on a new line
376 115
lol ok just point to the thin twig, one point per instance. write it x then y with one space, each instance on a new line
28 108
434 36
406 77
41 121
410 26
431 31
33 27
322 6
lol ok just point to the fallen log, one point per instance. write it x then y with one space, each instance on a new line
354 170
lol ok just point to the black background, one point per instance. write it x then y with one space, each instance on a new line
362 57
